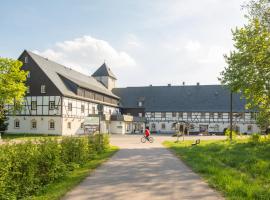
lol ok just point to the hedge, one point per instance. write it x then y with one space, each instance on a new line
27 167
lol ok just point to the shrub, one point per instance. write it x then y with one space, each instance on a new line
227 133
74 150
255 138
49 161
27 167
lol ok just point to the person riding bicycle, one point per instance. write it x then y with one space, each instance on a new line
147 133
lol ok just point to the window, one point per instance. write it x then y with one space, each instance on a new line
140 114
174 114
216 128
191 126
249 128
140 103
26 59
252 115
69 125
189 114
202 115
82 125
181 115
93 110
33 124
163 126
211 115
28 75
82 108
153 127
51 105
43 89
152 114
69 106
110 111
28 89
220 115
163 115
51 125
16 123
33 105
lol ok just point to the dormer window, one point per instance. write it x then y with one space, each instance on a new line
26 59
28 89
43 89
140 103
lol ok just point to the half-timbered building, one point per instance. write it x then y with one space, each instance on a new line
204 108
60 100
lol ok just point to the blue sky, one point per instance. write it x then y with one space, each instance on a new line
144 42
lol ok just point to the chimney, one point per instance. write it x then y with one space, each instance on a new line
198 83
169 85
183 83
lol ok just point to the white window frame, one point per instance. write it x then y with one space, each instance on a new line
163 126
82 108
32 123
51 105
163 114
28 89
69 106
33 105
50 123
43 89
26 59
15 124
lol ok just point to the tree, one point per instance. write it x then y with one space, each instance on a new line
12 87
248 70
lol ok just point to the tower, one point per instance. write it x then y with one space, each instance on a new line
105 76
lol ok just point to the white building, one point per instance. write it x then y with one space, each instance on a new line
60 100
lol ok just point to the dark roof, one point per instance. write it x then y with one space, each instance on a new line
202 98
54 70
104 70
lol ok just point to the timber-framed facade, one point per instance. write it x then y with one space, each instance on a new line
59 99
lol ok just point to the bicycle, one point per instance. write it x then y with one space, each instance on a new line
150 139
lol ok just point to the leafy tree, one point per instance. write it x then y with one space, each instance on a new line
12 87
248 69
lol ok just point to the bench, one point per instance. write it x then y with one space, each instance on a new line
198 141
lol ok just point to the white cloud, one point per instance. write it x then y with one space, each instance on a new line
86 54
192 46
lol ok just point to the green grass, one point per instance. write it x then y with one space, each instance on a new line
59 189
239 170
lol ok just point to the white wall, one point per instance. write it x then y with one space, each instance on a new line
42 125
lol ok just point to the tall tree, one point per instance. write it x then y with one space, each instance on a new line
12 87
248 69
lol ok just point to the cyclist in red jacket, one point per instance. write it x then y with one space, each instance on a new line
147 133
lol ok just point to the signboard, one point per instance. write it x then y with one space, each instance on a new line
91 120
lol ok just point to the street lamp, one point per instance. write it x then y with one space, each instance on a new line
100 109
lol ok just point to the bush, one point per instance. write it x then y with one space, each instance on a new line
227 133
74 150
255 138
27 167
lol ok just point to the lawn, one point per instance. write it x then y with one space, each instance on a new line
239 170
58 189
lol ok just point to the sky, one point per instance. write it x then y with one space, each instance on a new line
156 42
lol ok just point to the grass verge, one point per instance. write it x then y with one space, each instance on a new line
58 189
240 170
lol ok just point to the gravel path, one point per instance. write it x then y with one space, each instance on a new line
142 171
